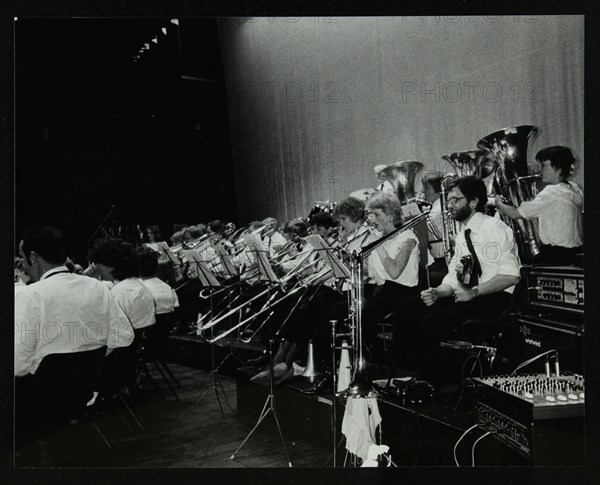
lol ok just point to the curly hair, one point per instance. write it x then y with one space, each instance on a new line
389 203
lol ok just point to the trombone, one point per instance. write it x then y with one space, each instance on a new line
361 385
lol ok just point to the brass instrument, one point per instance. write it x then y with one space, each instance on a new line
464 164
406 176
361 385
514 182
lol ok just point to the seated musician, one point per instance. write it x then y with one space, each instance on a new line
165 298
115 260
176 238
432 186
58 313
422 322
21 277
295 231
394 265
324 225
298 324
558 207
217 246
58 298
153 234
272 238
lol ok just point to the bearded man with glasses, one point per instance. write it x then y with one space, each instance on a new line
481 277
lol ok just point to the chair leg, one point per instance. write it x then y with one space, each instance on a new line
100 433
129 409
114 406
166 367
148 374
166 380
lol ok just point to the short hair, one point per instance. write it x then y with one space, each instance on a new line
195 232
297 227
434 180
389 204
147 260
177 237
48 242
472 188
254 225
560 158
322 219
217 226
116 253
269 221
352 208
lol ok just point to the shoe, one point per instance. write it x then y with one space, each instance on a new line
263 378
298 370
280 370
288 376
260 376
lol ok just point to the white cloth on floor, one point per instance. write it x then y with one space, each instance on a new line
361 420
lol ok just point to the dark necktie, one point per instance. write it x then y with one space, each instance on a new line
476 266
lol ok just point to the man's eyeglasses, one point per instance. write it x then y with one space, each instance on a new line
453 200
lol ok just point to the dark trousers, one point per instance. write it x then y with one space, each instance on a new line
437 270
419 329
381 304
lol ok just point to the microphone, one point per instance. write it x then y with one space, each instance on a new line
556 365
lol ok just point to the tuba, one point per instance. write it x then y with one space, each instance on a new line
405 177
514 182
463 164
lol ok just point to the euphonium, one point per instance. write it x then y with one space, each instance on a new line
464 164
514 182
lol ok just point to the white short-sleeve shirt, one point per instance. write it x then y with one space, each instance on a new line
393 246
558 208
494 245
136 301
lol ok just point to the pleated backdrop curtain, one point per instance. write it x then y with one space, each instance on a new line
316 103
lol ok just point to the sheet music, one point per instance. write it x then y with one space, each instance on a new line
331 260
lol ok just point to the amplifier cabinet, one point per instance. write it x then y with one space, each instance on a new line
556 287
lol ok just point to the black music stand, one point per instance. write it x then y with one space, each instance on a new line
269 275
208 279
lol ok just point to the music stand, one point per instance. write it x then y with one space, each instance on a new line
207 279
269 275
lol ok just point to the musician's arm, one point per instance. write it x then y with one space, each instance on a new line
507 210
395 266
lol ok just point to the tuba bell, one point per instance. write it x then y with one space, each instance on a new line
405 177
463 164
514 182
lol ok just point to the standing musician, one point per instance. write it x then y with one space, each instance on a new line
487 243
558 207
432 186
